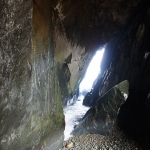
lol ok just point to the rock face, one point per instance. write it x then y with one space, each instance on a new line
101 117
30 98
71 62
93 23
92 96
88 99
130 62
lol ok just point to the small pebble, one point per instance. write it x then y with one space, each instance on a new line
117 140
70 145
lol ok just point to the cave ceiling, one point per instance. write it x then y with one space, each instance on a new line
92 23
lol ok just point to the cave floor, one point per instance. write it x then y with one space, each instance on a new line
117 140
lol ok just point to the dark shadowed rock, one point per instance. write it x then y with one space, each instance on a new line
102 116
68 59
87 101
92 96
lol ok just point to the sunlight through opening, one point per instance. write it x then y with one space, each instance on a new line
74 113
92 72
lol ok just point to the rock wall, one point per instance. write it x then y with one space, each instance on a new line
71 62
30 99
131 61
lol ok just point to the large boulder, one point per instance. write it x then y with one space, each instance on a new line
101 117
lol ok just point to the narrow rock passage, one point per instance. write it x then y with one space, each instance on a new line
117 140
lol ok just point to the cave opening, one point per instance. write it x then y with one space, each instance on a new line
36 36
92 72
74 111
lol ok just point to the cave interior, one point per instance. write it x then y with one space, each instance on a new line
45 49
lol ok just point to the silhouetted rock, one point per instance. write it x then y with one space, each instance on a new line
102 116
87 101
92 96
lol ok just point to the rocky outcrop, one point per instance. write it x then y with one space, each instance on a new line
101 117
39 68
33 54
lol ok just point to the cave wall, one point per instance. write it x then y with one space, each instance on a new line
131 61
71 61
30 99
15 47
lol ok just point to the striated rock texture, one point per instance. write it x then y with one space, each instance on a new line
101 117
30 98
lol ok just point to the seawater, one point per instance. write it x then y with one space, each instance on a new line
73 115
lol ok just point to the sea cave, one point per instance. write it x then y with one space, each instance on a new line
46 47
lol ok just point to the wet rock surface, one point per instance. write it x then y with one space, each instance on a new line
117 140
30 98
101 117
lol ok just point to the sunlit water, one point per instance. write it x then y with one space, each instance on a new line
73 114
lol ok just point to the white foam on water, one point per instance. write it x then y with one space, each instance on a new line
72 115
